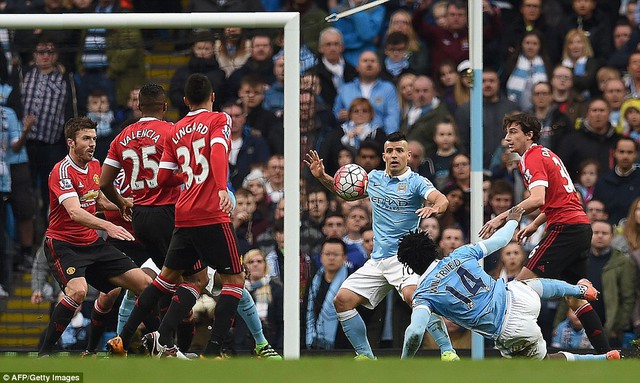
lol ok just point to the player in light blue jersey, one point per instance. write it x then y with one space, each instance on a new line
458 288
399 199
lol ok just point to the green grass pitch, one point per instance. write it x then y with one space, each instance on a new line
329 370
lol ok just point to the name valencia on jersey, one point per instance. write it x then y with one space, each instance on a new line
138 134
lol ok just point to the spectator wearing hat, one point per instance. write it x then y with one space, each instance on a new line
630 118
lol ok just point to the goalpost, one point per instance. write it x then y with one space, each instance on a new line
291 23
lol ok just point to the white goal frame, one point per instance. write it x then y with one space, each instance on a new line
291 23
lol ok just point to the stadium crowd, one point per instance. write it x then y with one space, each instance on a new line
402 66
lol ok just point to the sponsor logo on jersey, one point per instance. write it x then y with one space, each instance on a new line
65 184
71 270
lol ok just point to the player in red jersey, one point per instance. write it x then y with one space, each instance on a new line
199 145
75 253
137 151
562 252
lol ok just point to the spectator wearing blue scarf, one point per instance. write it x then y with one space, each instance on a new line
322 326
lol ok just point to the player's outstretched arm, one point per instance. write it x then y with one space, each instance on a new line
531 203
316 166
503 236
415 332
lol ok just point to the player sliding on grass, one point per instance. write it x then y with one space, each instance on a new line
458 288
398 198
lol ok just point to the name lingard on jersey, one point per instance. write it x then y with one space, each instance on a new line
138 134
188 129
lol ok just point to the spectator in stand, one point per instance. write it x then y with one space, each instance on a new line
267 292
232 50
596 211
111 59
595 138
359 30
396 57
530 17
577 54
605 74
417 54
352 133
625 40
275 259
357 218
259 64
322 330
462 90
445 138
613 94
614 275
405 92
369 155
617 187
25 40
275 178
99 110
447 79
630 118
425 113
247 151
494 106
629 243
201 60
555 124
312 17
633 80
311 220
45 141
451 42
418 162
332 69
525 68
564 97
368 84
274 94
260 121
588 173
317 124
512 259
596 25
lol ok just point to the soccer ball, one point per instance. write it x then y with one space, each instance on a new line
350 182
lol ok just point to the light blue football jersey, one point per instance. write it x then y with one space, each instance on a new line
394 202
458 288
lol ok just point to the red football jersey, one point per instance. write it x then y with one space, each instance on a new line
540 166
138 150
190 146
123 186
67 180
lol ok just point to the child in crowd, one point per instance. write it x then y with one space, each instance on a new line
445 137
587 178
99 111
630 116
512 259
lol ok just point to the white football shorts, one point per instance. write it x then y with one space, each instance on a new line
521 336
376 278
